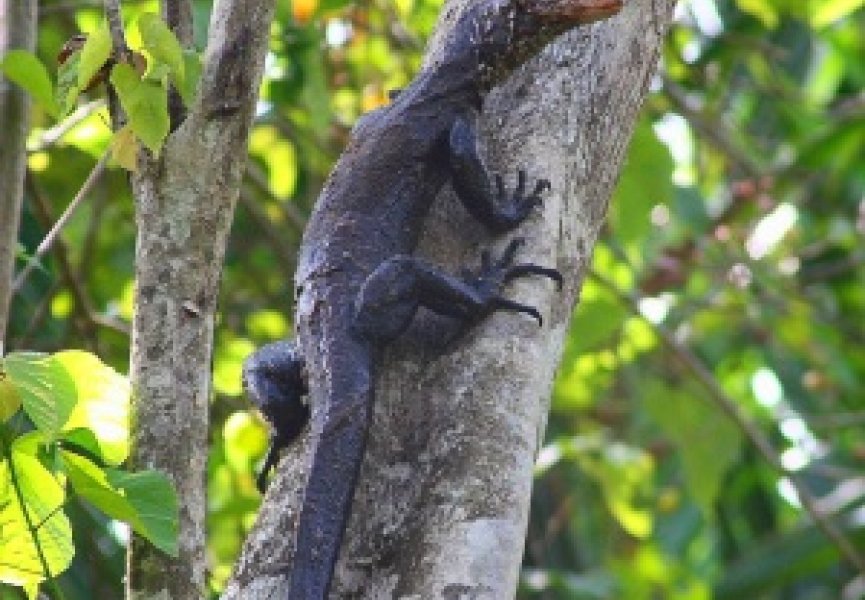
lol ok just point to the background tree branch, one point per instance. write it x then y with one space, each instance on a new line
17 31
442 504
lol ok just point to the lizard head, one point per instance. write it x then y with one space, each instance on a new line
507 33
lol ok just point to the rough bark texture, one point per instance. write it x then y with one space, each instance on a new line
17 30
184 205
442 505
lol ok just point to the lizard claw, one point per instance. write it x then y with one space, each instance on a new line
520 204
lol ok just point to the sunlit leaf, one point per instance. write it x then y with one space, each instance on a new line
94 54
146 105
28 71
10 401
162 45
46 390
829 11
20 563
124 148
103 403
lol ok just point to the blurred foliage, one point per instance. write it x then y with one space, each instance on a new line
734 243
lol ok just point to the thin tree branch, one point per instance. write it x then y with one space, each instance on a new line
751 431
46 243
82 302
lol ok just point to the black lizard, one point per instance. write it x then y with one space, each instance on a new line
358 286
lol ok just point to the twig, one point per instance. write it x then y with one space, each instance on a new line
46 243
115 26
83 304
50 136
731 409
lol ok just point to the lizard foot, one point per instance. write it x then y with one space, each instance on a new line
519 205
494 274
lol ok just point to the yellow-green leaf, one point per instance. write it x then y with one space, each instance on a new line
103 403
829 11
161 43
43 502
124 148
191 75
764 10
94 54
26 70
45 388
146 106
10 401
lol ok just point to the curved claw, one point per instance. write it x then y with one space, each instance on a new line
505 304
507 256
530 269
521 184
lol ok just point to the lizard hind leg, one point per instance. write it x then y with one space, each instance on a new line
275 381
391 295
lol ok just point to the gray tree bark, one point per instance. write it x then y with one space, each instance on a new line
442 505
17 31
184 206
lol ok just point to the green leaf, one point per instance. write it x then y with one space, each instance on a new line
26 70
47 391
192 74
124 148
153 497
43 500
707 441
91 483
829 11
146 105
161 43
103 403
646 181
10 401
764 10
67 83
94 54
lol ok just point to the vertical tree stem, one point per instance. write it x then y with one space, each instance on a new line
17 31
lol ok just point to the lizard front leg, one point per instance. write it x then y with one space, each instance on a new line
473 185
392 293
275 381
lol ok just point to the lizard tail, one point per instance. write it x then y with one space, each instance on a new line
330 488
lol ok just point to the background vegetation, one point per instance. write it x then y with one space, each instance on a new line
708 406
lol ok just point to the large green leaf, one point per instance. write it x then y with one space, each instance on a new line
152 496
43 498
146 106
47 391
28 71
91 483
103 403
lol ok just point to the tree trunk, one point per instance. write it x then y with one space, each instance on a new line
442 505
17 31
184 206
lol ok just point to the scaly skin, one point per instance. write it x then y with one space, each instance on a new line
358 286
